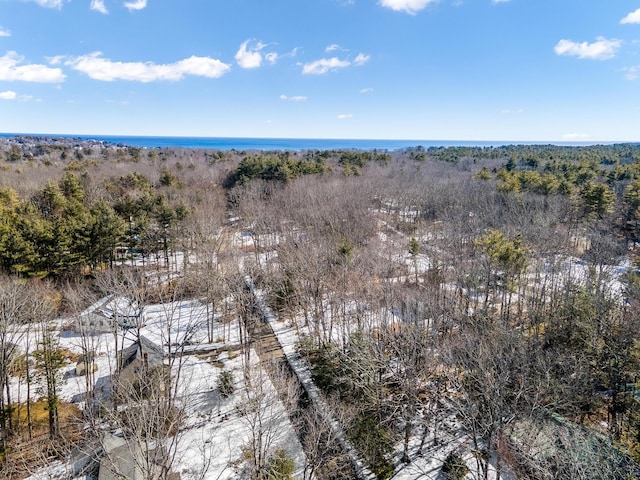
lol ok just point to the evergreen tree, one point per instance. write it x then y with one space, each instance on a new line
49 362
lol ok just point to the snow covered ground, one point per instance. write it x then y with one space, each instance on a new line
215 431
211 440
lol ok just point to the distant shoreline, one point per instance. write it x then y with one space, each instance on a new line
293 144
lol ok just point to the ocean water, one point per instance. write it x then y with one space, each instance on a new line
239 143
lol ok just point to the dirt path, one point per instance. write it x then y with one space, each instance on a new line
271 351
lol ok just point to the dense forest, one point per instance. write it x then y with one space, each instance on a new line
483 302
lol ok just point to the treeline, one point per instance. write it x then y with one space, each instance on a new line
72 224
280 168
287 166
602 180
535 154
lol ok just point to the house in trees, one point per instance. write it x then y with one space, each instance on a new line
143 352
141 374
141 369
109 313
94 322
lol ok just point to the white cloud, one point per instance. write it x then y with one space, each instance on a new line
136 5
10 71
4 32
295 98
333 47
98 6
106 70
9 95
633 17
252 57
408 6
500 1
344 116
601 49
50 3
508 111
366 90
361 59
324 65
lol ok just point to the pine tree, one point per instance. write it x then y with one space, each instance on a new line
49 362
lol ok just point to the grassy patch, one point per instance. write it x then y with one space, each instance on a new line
68 413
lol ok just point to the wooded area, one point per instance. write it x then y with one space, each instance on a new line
484 299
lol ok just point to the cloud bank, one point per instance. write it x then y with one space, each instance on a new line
99 68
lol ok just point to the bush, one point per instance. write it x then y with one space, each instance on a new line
374 443
281 466
226 383
454 467
324 365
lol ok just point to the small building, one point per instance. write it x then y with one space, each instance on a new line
109 313
142 352
142 368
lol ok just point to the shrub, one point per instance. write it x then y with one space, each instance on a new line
454 467
226 383
374 443
324 365
280 466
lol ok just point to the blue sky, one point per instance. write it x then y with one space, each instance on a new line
517 70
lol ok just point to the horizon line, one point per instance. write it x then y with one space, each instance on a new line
370 139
